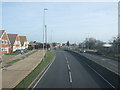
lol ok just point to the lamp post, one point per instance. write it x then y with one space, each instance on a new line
43 29
46 37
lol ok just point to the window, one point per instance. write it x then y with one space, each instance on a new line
4 41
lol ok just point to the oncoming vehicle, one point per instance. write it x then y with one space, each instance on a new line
82 50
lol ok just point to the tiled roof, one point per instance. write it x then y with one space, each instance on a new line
22 39
12 38
1 32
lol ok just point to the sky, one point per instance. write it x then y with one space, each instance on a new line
66 21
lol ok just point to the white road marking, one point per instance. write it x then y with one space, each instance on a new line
68 67
44 73
66 58
70 77
67 62
100 75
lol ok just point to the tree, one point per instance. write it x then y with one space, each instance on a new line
92 43
68 43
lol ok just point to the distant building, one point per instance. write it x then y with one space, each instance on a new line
24 42
107 45
4 42
15 42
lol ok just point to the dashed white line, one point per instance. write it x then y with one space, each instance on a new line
68 67
66 58
70 77
67 62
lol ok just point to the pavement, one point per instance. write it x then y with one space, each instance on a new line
8 58
12 75
69 71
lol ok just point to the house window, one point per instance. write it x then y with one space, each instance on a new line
1 49
6 41
2 41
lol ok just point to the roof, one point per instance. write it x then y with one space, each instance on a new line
1 33
12 38
22 39
107 45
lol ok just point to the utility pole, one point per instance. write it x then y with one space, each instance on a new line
51 40
43 29
46 37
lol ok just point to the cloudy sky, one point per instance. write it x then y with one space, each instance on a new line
73 21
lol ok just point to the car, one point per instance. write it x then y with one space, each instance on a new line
25 50
82 50
20 51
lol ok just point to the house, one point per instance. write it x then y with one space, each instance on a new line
24 42
4 42
15 42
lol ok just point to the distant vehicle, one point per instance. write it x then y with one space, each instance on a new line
82 50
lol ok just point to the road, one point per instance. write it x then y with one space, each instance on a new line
110 64
68 71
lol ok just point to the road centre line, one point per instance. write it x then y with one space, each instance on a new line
68 67
70 76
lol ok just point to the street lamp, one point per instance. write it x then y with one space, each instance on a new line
43 29
46 37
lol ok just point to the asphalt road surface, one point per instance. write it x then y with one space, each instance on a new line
69 71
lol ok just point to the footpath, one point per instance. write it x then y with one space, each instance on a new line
12 75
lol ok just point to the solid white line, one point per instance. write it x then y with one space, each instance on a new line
70 77
101 76
68 67
44 73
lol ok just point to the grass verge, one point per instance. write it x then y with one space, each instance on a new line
112 57
14 61
28 80
11 53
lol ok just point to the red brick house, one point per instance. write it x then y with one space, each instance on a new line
15 42
4 42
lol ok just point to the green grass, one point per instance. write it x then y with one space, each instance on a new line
11 53
28 80
13 61
16 60
112 57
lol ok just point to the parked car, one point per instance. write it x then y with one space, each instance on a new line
25 50
20 51
82 50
